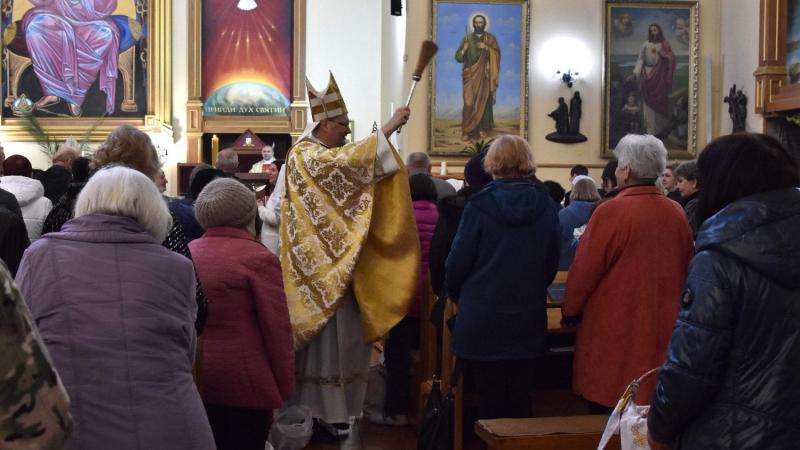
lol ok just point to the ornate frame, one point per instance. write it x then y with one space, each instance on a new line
694 69
524 44
293 124
159 90
774 94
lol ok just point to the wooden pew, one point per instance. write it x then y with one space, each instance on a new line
545 433
448 364
425 364
560 279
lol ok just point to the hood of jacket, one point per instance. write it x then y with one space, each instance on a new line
55 180
512 202
27 190
760 231
74 189
453 205
103 228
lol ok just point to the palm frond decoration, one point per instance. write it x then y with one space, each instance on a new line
84 146
47 143
475 147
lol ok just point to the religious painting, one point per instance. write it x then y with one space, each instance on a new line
793 42
75 58
247 57
651 73
479 87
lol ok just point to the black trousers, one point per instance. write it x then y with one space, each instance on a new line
503 387
239 428
403 339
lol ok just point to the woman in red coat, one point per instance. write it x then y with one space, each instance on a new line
624 286
248 356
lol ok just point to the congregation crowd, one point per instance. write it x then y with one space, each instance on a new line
110 286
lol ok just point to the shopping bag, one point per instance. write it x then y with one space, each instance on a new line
628 419
436 426
292 429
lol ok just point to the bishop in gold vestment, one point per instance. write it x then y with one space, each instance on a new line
349 252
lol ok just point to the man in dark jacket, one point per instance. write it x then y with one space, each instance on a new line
57 178
9 202
13 239
420 162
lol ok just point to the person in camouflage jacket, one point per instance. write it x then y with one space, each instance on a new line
34 407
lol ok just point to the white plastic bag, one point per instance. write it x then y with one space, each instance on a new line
629 420
292 428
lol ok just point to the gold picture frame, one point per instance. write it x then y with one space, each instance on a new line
505 109
651 73
158 115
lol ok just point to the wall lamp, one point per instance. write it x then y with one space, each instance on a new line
569 77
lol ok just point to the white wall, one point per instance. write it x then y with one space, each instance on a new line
344 36
180 93
30 150
393 53
739 48
551 20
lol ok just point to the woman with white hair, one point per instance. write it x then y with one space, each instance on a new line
624 285
116 310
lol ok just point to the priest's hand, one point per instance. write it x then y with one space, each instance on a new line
400 117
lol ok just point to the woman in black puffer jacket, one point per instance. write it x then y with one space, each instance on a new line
732 376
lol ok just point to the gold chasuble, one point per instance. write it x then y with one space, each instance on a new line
340 225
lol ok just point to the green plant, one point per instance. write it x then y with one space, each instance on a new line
793 118
475 147
48 143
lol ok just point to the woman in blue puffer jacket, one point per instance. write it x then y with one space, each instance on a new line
732 376
574 217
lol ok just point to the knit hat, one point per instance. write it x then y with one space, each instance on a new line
474 172
225 202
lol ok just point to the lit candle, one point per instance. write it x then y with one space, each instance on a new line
709 100
214 149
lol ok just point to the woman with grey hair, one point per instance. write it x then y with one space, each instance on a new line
626 277
116 310
642 157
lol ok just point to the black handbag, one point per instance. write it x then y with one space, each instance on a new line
436 426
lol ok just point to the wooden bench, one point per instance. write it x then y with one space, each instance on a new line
545 433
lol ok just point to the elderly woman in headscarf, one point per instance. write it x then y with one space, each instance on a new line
248 354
